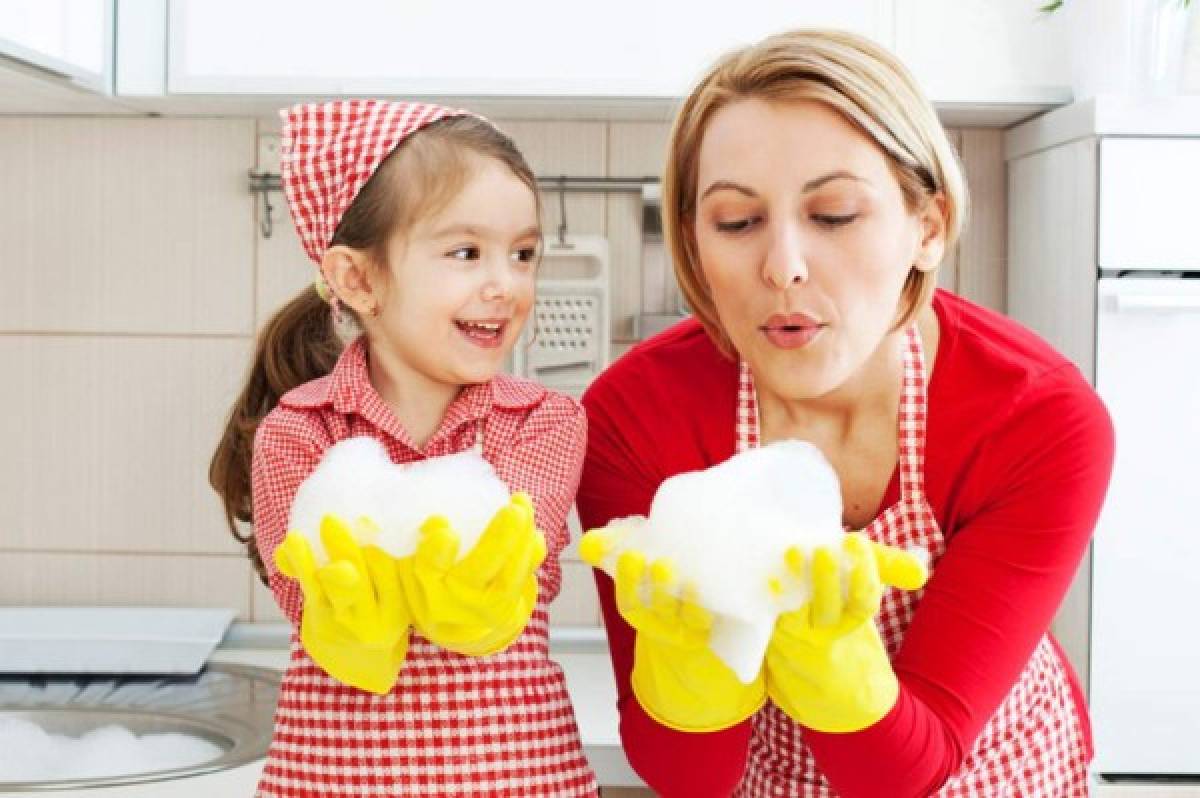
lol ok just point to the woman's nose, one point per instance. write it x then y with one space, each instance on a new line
785 263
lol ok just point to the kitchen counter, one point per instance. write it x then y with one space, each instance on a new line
582 652
583 655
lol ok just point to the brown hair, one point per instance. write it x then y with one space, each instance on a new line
855 77
300 343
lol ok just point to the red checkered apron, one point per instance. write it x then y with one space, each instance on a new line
452 725
1034 745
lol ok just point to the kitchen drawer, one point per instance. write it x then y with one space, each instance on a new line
1149 192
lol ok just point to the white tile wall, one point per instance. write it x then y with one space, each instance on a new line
108 438
91 579
262 602
126 225
134 278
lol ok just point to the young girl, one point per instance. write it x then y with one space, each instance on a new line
423 222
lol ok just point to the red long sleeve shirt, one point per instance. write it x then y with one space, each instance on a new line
1018 455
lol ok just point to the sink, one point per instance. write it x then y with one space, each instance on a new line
230 706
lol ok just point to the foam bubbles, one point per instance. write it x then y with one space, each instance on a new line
28 753
726 529
356 478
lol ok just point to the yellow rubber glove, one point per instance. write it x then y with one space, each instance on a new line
355 622
827 667
480 604
676 677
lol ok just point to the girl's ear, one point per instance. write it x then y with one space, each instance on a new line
933 234
348 273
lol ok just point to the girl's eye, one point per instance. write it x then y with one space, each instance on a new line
830 220
736 225
526 255
465 253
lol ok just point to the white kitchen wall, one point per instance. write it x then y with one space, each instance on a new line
134 279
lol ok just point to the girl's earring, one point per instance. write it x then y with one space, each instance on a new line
326 294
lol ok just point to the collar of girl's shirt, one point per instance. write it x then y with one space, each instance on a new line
347 389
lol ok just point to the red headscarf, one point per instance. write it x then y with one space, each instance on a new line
330 150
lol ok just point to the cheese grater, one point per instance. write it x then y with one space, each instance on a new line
566 340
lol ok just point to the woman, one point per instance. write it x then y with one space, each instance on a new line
809 196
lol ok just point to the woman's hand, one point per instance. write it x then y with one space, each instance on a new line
826 664
355 622
480 604
676 677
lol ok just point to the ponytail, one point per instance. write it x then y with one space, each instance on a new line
298 344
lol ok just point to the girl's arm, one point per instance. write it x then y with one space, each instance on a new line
286 451
992 595
545 462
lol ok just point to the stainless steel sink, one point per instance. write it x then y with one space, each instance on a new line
231 706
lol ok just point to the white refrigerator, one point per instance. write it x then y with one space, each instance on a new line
1145 654
1145 657
1104 262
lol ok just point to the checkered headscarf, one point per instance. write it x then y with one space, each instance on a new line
329 151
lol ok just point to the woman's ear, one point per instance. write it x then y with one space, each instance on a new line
932 246
348 273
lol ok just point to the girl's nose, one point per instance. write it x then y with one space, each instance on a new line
499 281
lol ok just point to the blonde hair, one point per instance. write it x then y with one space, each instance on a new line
855 77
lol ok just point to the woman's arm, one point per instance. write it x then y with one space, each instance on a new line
992 595
619 480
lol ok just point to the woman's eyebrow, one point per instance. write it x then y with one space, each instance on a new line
721 185
811 185
840 174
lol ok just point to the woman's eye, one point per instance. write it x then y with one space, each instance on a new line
736 225
464 253
831 220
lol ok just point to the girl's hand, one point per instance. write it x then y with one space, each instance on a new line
355 621
480 604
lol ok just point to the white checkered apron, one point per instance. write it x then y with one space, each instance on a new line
1032 746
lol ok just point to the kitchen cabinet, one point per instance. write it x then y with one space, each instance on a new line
984 63
981 52
66 39
621 48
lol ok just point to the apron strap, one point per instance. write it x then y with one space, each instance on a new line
912 419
